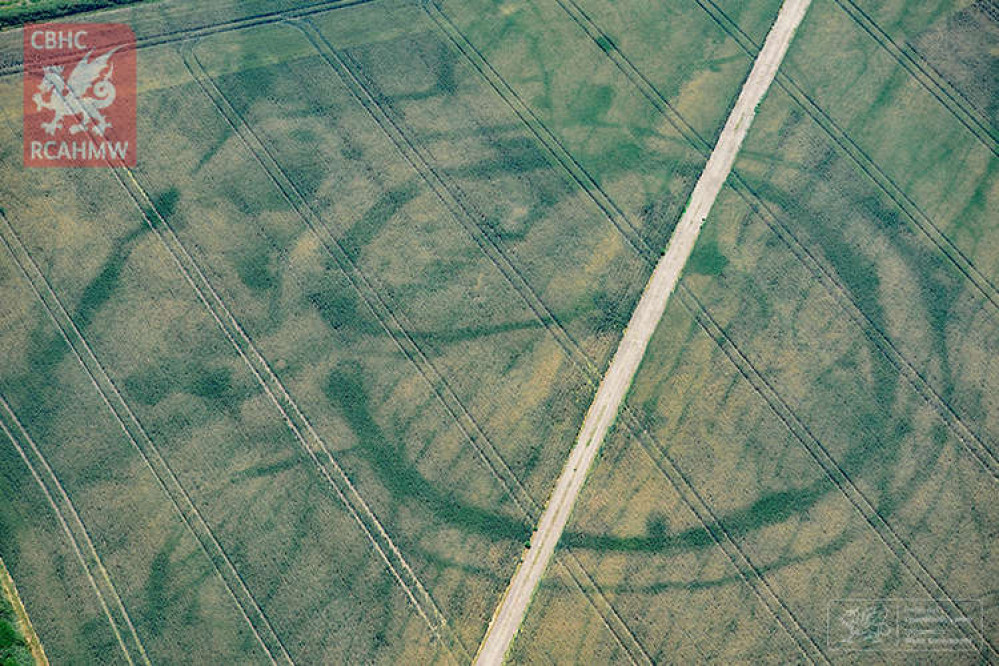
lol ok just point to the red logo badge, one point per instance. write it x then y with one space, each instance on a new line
79 95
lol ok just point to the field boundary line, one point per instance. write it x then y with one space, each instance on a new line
147 450
455 206
197 32
970 439
935 83
617 380
78 523
438 624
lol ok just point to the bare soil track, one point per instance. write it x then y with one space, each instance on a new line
614 386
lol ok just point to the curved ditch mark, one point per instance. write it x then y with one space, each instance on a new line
612 620
780 612
554 146
449 194
895 544
392 321
379 538
971 440
78 526
927 579
980 450
863 161
937 85
144 445
580 576
583 361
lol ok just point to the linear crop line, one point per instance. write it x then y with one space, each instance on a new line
979 449
397 330
934 83
449 193
609 615
779 611
185 34
885 532
267 369
527 116
667 110
627 358
394 325
453 197
184 260
981 452
88 545
351 76
895 544
971 440
141 441
361 512
570 562
884 182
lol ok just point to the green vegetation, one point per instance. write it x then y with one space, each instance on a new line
13 648
19 12
824 292
16 648
427 263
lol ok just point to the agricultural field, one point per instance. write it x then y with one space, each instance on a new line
297 387
823 390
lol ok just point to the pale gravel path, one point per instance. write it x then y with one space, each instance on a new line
614 386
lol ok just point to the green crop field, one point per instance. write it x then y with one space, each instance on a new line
298 386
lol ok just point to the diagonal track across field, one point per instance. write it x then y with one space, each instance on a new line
77 534
972 441
864 162
393 558
613 386
922 71
746 570
348 71
269 642
840 479
741 563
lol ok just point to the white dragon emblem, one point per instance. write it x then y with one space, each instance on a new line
69 98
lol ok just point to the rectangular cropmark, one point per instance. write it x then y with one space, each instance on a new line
79 95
